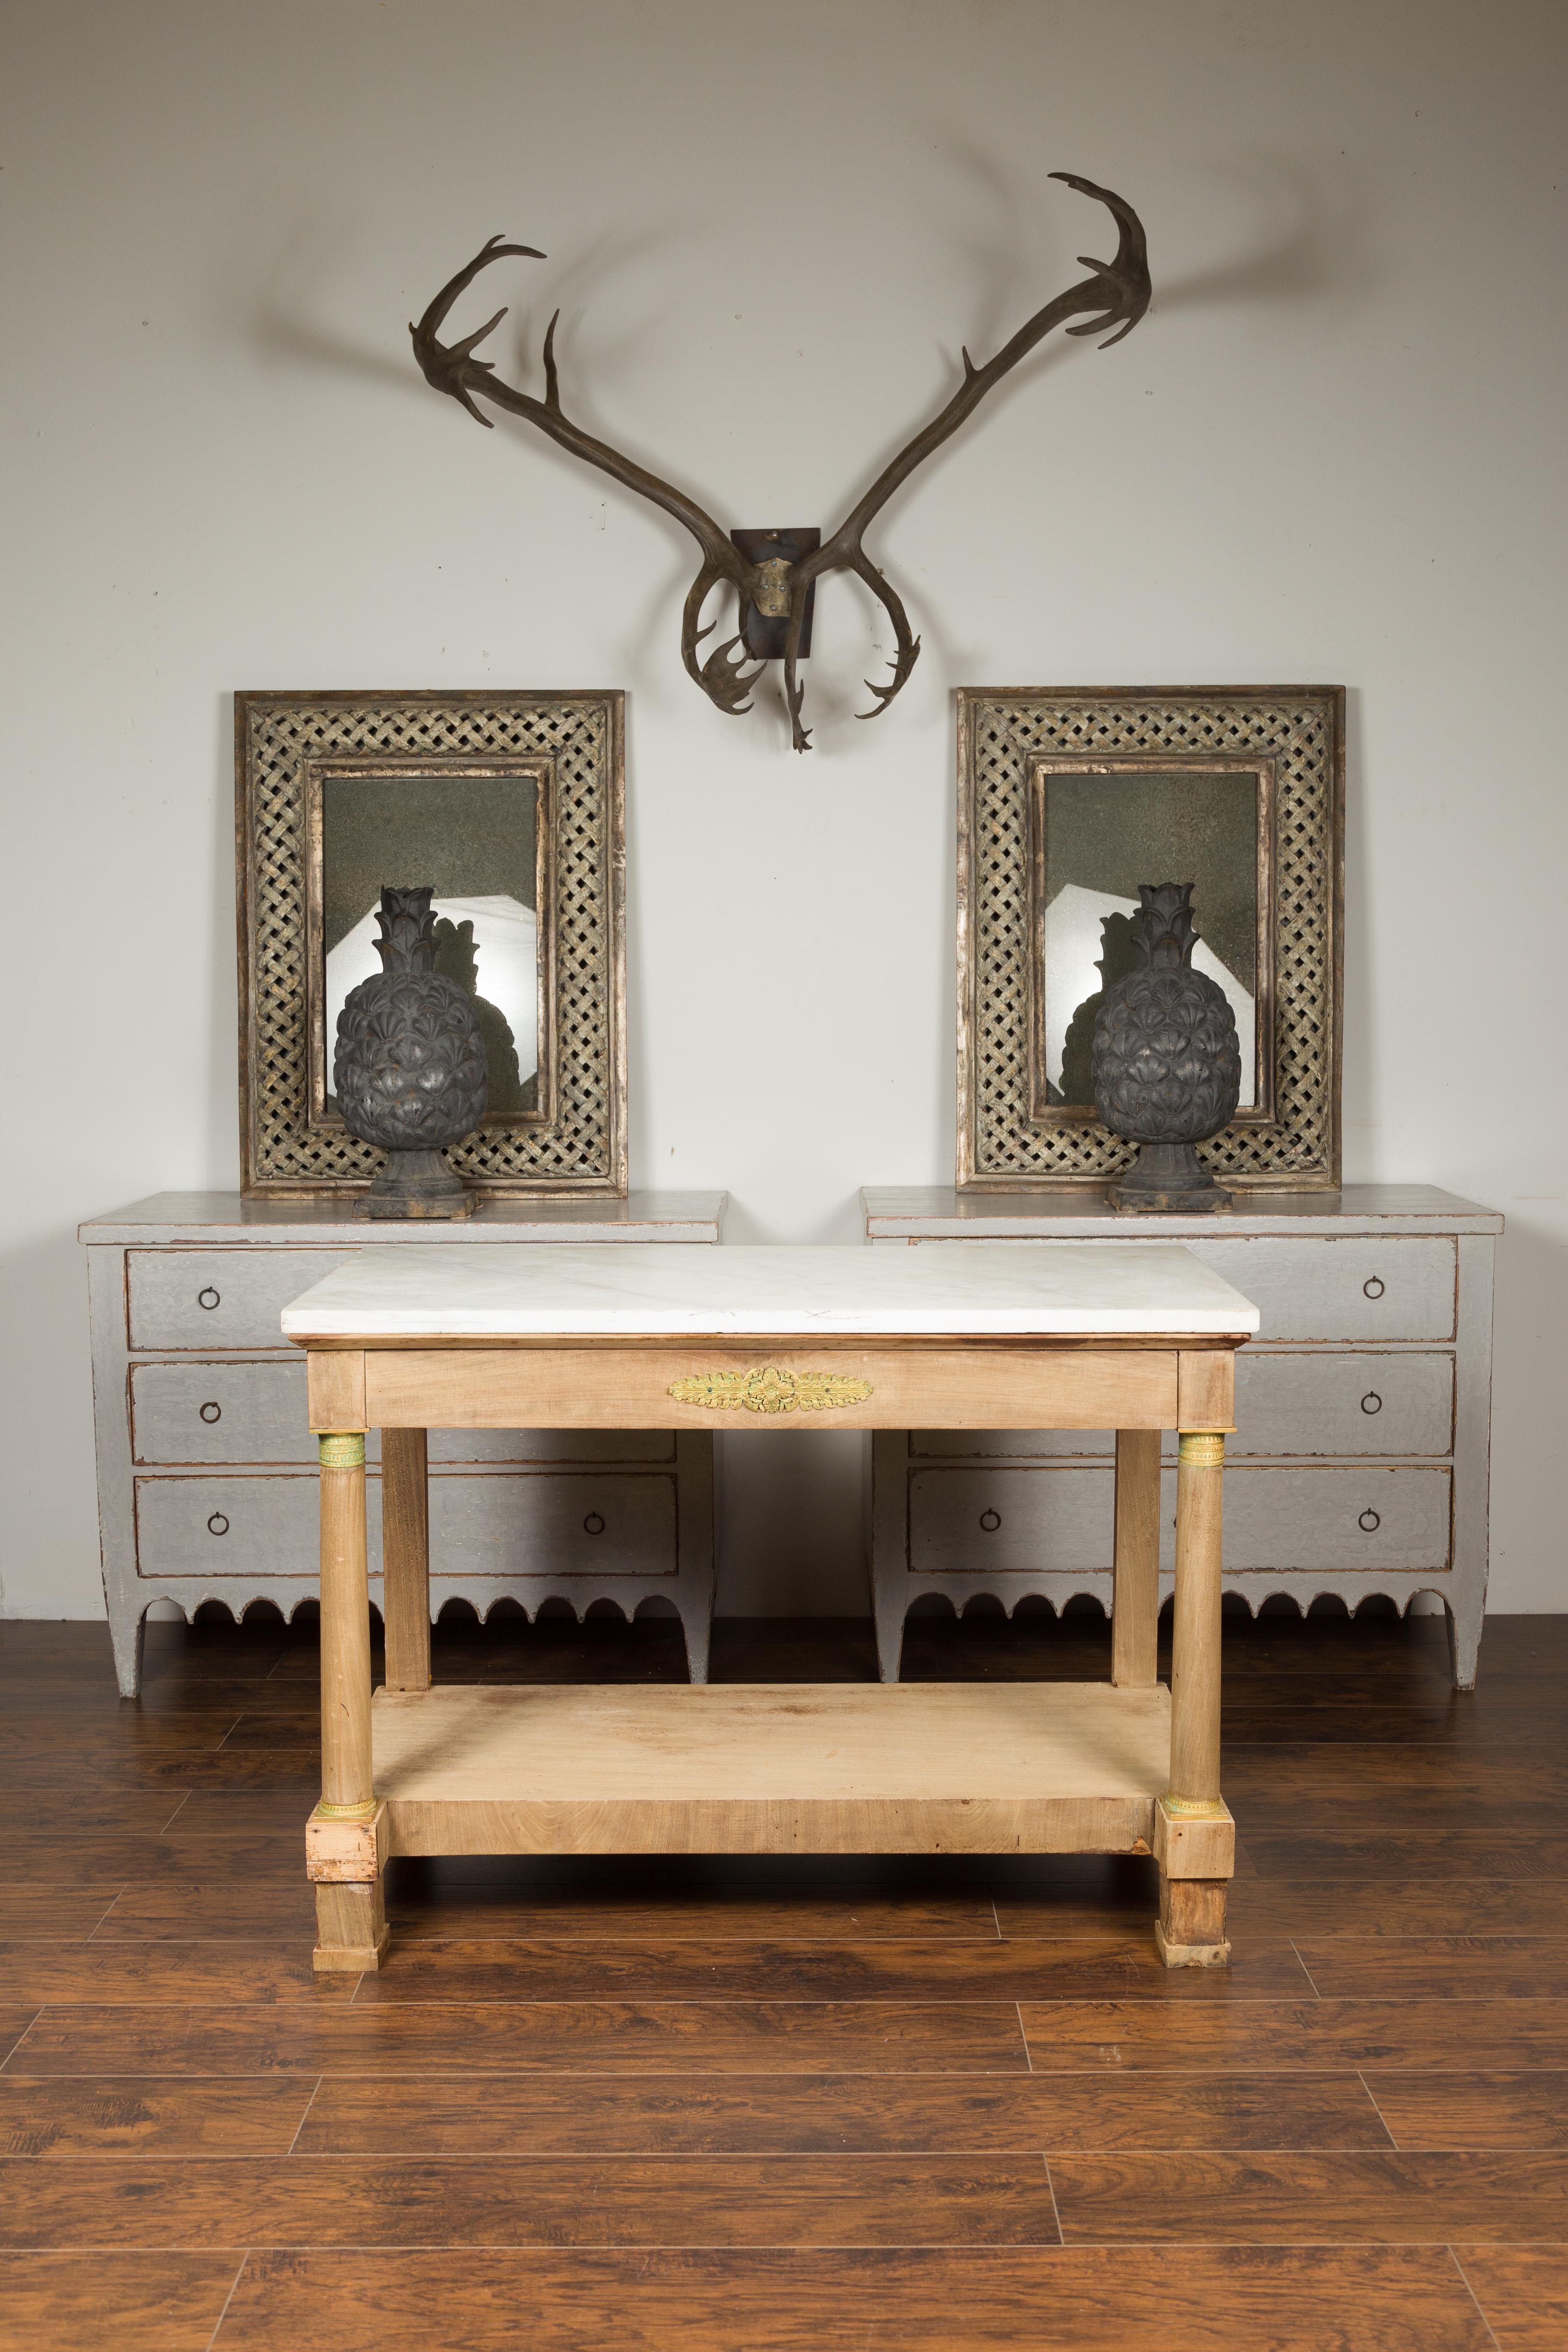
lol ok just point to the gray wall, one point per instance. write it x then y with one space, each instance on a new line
1334 451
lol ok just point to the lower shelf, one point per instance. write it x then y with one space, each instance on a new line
779 1768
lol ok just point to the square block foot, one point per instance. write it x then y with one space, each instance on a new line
1190 1955
350 1960
351 1933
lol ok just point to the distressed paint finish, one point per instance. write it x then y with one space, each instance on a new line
1360 1459
206 1486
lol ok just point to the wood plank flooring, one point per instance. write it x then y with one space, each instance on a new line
886 2105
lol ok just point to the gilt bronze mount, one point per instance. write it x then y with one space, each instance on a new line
770 1389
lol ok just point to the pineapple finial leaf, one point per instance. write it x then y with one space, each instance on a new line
407 930
1168 932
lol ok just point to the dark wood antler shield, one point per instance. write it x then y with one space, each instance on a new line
1115 295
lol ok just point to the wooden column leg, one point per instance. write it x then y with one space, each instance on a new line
1194 1647
405 1557
1191 1930
351 1925
1135 1605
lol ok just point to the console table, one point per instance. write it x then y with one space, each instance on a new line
1142 1339
1363 1412
206 1486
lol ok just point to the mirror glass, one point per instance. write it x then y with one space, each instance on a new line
1099 836
475 840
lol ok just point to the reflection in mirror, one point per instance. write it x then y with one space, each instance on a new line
1119 956
457 957
476 839
1101 834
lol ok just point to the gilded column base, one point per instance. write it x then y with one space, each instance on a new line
1194 1845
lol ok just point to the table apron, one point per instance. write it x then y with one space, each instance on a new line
966 1387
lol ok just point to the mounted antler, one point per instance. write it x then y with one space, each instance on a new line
1116 295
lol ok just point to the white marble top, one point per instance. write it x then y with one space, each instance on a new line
504 1291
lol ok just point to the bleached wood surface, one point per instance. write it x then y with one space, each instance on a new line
771 1768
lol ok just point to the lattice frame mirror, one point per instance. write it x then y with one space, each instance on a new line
511 806
1065 795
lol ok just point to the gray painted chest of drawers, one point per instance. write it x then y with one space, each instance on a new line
1364 1415
206 1474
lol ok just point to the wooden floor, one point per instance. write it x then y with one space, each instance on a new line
779 2106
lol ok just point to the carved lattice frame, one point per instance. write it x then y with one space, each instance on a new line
279 736
1001 1145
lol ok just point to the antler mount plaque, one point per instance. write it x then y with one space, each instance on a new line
772 582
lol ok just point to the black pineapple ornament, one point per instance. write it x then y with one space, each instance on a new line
409 1068
1167 1065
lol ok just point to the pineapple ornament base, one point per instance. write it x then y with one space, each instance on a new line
1168 1178
415 1184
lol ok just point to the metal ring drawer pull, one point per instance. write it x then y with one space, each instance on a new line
1368 1522
1372 1402
990 1521
1371 1286
217 1525
209 1299
211 1411
593 1524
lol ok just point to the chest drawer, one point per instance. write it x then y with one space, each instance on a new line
224 1412
229 1411
553 1523
1310 1287
1008 1521
1344 1403
1403 1288
1321 1404
518 1522
237 1527
217 1298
